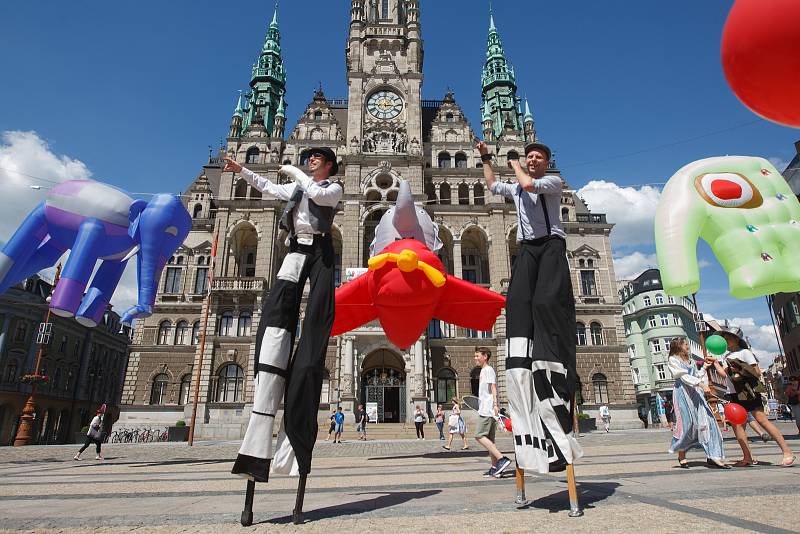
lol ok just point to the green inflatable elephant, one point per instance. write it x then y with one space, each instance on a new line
744 209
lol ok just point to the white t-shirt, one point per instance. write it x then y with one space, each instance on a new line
604 411
486 400
745 356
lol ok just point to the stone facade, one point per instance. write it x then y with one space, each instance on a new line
383 132
86 366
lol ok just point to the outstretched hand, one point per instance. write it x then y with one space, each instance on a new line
231 165
482 148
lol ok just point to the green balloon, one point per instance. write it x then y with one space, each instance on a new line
716 345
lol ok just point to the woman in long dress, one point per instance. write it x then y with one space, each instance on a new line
695 424
457 426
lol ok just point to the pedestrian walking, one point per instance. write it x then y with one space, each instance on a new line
488 413
695 423
793 399
419 422
339 419
332 426
94 435
361 423
456 425
743 386
439 420
669 413
605 416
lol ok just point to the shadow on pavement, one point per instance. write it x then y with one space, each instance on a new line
589 493
443 455
357 507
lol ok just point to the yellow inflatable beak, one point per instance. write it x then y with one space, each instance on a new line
407 261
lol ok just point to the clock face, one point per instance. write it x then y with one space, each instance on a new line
385 105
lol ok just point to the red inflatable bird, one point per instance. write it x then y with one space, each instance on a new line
407 286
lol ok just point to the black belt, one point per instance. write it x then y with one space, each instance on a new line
541 240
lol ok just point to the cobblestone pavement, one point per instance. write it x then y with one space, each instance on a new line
627 483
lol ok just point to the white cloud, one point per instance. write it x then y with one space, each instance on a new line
632 265
631 210
27 160
761 338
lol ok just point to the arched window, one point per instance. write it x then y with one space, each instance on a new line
647 301
318 115
565 214
445 386
196 333
158 392
600 388
196 210
226 324
245 320
475 380
512 154
479 193
444 193
580 332
182 333
252 155
596 330
164 332
241 189
461 160
186 385
659 299
444 160
449 118
463 194
230 385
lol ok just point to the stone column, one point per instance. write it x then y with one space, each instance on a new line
347 378
457 267
419 395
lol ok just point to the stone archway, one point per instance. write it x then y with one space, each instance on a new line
383 382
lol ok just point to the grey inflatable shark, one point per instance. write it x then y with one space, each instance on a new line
405 221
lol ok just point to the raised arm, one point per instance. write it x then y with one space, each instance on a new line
488 170
323 196
282 192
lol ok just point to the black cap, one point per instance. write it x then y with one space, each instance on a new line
541 147
329 155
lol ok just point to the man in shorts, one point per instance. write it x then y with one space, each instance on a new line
488 413
339 419
361 423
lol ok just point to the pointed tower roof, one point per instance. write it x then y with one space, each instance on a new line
281 109
270 63
499 85
528 114
239 112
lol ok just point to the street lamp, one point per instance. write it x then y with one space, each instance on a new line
25 430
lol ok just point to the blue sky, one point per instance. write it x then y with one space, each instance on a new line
625 92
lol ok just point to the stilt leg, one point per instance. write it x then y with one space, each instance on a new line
247 513
297 515
574 505
520 479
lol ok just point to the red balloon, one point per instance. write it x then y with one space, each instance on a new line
760 44
507 423
735 413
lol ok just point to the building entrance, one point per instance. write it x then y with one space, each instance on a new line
384 382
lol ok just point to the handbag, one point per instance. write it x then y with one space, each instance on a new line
452 421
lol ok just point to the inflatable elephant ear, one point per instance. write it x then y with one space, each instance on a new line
744 209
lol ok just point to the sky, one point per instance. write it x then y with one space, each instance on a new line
134 94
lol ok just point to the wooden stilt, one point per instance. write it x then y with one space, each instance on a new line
247 513
574 505
297 515
520 478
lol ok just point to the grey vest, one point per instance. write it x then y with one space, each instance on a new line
320 217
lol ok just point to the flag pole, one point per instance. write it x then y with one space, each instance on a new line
207 306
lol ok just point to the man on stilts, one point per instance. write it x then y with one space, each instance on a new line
540 321
308 218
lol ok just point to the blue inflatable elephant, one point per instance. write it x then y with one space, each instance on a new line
96 221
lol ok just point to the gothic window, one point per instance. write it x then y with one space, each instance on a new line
245 321
461 160
252 155
479 194
196 210
565 214
596 330
241 189
196 333
172 280
444 160
580 332
588 284
164 332
158 391
182 333
600 387
230 385
444 194
226 324
186 384
445 386
463 194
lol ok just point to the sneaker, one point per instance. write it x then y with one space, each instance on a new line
77 457
501 465
99 457
490 473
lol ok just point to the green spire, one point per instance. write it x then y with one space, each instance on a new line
499 84
268 79
239 112
528 114
281 109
